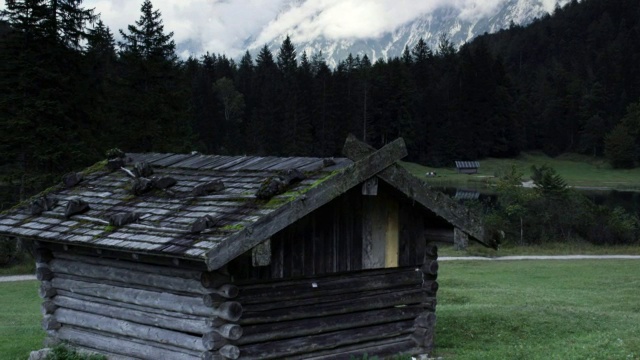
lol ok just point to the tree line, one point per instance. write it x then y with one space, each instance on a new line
567 82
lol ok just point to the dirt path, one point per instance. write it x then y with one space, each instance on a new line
17 278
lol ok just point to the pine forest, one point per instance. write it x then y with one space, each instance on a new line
568 82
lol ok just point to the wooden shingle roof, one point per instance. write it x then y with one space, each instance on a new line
236 219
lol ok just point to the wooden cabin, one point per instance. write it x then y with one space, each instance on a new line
168 256
467 167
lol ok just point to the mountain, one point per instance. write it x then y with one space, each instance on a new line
447 20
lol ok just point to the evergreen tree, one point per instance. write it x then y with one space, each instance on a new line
101 67
43 105
155 118
233 108
264 133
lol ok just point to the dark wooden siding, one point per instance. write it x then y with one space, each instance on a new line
337 237
335 316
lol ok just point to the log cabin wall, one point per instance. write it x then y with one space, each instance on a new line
326 294
381 312
138 310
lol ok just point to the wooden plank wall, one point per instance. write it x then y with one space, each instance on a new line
351 233
338 315
137 310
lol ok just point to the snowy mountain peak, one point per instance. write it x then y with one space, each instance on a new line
329 27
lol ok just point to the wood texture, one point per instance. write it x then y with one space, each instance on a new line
154 299
122 262
229 331
129 329
50 322
377 301
374 226
317 325
430 267
228 310
442 205
333 284
261 254
48 307
129 276
392 235
46 290
116 311
124 346
411 239
370 187
287 214
286 348
132 306
230 352
444 235
226 291
43 271
213 341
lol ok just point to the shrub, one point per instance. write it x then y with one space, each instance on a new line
553 212
619 148
8 251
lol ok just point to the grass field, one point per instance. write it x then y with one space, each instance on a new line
577 170
583 309
20 319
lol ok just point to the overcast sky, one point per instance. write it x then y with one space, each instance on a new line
223 26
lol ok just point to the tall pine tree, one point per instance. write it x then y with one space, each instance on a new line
154 114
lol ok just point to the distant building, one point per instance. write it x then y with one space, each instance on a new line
467 167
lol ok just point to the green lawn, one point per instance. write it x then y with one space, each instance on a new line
577 170
584 309
20 318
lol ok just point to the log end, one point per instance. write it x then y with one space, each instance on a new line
430 267
230 351
230 310
230 331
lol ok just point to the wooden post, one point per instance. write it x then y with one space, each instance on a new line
261 254
370 187
392 235
374 224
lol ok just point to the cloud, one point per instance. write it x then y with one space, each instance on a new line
341 19
207 25
230 26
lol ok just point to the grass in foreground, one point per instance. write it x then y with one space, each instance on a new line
577 170
20 318
585 309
